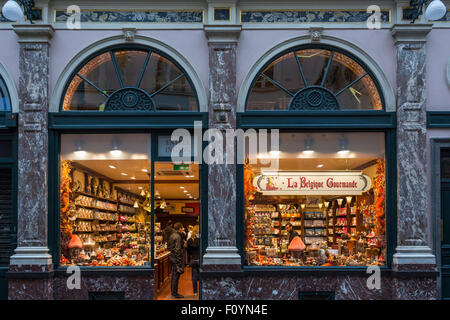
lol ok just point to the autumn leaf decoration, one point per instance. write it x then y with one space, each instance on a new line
65 197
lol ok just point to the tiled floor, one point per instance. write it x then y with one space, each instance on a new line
184 287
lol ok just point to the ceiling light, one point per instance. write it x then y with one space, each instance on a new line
116 153
133 178
309 142
320 166
115 148
181 187
184 191
435 11
12 11
275 153
343 146
140 188
111 166
124 174
80 153
144 170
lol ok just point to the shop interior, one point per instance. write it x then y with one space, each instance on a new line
106 205
337 227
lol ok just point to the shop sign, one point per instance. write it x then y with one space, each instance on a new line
312 183
180 167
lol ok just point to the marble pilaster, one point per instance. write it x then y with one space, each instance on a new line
413 247
221 248
32 207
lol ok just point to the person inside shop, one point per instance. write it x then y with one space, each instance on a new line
192 249
176 248
168 230
292 234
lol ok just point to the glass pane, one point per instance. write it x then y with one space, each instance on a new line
84 97
314 63
99 71
159 72
343 71
362 95
285 71
5 149
320 201
130 64
445 163
267 96
5 103
104 219
176 97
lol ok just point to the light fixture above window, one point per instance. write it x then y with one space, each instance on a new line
309 142
343 146
14 12
115 148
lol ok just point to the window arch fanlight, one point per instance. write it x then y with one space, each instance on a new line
124 78
315 78
5 100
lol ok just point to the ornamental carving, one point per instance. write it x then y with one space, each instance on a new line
129 99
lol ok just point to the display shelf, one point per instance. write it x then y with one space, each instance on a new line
95 197
94 208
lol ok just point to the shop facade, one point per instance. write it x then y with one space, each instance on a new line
361 173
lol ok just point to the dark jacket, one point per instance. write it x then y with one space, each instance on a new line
166 233
176 249
192 248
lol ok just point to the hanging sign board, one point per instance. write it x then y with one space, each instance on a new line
312 183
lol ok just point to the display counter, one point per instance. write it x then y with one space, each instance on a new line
163 268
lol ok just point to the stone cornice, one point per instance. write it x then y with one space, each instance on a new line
34 32
223 33
410 32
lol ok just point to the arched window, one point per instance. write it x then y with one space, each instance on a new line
5 100
130 79
315 78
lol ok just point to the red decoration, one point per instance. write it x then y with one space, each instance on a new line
297 245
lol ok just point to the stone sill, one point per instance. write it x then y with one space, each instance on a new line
109 271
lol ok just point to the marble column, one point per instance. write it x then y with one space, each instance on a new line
413 248
31 266
222 252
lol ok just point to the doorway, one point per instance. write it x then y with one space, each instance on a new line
176 203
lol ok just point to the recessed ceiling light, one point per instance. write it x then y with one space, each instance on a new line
133 178
144 170
140 188
124 174
111 166
181 187
185 191
320 166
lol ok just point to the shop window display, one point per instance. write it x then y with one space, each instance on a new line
327 187
105 200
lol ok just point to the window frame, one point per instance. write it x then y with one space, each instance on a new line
323 47
390 202
124 47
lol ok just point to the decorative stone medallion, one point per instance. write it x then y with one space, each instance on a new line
314 98
129 99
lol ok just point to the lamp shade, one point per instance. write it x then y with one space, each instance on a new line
435 11
12 11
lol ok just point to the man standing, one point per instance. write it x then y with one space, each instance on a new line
176 248
168 230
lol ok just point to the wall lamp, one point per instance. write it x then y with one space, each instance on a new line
436 10
14 12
